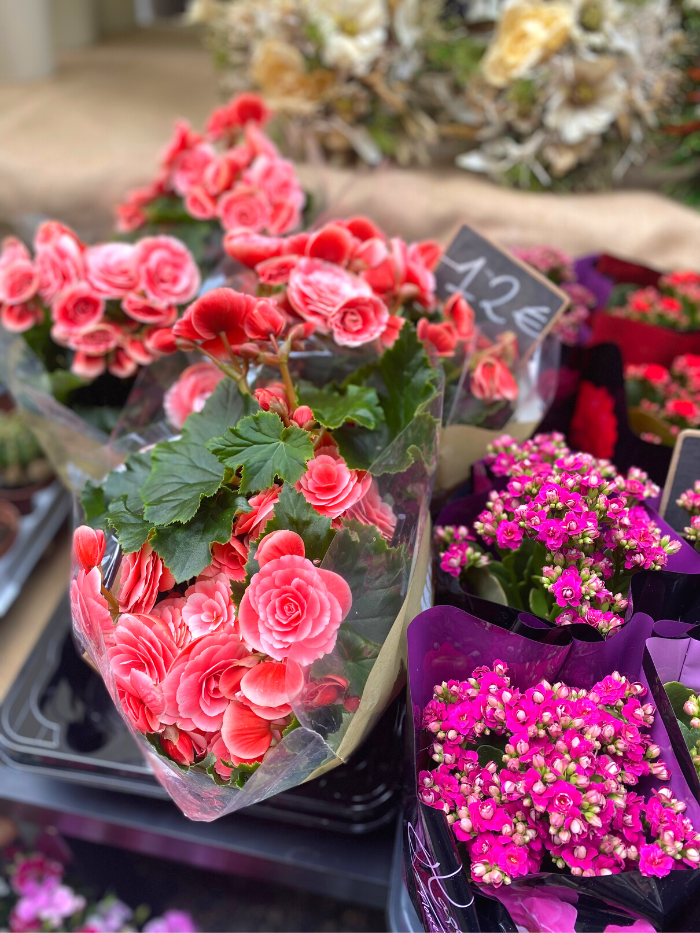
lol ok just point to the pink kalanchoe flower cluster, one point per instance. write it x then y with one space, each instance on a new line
244 184
690 501
457 550
583 521
559 793
106 302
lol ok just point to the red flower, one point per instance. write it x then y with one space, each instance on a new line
493 381
458 310
88 546
200 204
89 608
121 365
362 228
324 692
390 334
229 559
276 270
657 375
442 336
59 258
593 427
359 320
90 367
222 310
264 319
242 109
245 734
333 243
250 249
161 340
189 166
148 312
98 340
250 524
372 510
682 408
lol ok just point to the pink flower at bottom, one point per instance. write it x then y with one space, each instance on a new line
639 926
89 608
172 921
537 912
292 609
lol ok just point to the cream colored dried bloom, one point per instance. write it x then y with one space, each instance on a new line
353 32
528 33
279 71
587 97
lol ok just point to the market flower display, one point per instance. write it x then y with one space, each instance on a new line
252 540
669 397
564 536
558 792
230 176
690 502
675 303
535 93
103 302
40 900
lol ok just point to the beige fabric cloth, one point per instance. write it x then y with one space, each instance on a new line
71 147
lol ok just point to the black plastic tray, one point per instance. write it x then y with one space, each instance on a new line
59 720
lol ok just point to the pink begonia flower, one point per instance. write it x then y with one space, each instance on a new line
190 392
249 525
203 680
292 609
166 270
317 288
330 487
245 734
170 612
209 605
88 547
110 269
90 609
371 509
142 576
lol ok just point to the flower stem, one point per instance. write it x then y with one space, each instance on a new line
289 385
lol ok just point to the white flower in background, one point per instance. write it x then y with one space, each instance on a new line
561 159
501 155
587 97
203 11
407 23
596 24
353 32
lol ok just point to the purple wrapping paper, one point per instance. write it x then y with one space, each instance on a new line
588 276
687 560
446 643
671 628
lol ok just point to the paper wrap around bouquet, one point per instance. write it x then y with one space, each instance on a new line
446 643
389 586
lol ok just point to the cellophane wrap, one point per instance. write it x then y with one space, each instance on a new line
465 440
387 593
76 449
446 643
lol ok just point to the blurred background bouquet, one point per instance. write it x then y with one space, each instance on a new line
534 93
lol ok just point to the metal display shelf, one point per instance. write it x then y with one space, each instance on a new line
352 868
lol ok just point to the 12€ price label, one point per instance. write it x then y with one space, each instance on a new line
506 294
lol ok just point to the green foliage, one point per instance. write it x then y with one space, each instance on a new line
131 529
358 655
333 406
63 382
294 513
376 574
486 585
460 57
92 500
679 695
186 548
489 753
538 603
184 471
264 448
405 383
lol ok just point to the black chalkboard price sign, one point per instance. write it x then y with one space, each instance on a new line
505 293
684 470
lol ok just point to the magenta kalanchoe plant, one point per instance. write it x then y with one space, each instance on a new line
568 532
554 791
